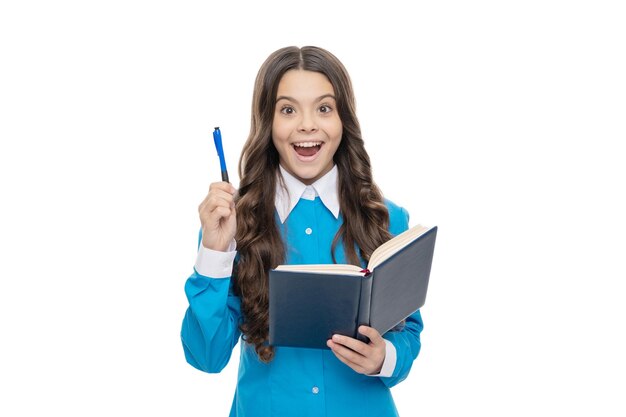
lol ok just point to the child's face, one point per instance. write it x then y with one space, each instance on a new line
306 129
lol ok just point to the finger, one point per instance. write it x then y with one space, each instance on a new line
221 194
348 353
221 212
345 355
215 196
223 186
218 199
353 344
372 334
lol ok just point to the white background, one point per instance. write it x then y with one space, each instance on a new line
500 122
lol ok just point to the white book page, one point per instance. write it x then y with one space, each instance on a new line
323 268
390 247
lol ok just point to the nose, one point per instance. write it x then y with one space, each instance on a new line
308 123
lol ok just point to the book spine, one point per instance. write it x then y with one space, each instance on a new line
365 303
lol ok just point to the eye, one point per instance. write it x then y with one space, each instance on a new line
287 110
324 108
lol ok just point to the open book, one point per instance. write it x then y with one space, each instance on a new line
310 303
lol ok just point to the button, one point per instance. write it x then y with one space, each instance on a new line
315 390
308 231
309 193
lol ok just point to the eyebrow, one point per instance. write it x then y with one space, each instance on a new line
320 98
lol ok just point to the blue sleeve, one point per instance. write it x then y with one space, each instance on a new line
407 339
210 327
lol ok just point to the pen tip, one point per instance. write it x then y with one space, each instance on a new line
217 128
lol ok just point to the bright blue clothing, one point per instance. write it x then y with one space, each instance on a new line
298 381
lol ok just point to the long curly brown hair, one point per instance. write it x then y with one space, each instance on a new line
260 246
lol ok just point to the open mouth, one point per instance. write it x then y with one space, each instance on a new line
307 149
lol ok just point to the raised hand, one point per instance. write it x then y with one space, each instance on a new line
218 216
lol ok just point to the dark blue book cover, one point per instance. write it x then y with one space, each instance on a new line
308 306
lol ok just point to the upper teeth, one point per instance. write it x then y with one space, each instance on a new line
307 144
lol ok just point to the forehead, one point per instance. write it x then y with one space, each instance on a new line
298 83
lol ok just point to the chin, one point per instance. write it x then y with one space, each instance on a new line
307 176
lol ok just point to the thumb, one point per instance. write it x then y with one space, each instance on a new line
371 333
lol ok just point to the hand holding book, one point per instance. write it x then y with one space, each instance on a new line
364 358
310 303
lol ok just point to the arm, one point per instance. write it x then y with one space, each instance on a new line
406 339
210 327
407 344
391 356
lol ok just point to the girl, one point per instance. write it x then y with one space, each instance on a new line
306 196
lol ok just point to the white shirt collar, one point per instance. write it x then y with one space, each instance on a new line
287 197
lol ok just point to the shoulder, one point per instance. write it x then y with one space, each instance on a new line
398 217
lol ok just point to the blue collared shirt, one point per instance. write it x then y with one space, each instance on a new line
298 381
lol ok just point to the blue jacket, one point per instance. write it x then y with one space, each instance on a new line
297 382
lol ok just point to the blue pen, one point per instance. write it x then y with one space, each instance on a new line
217 138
